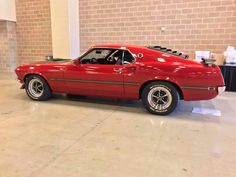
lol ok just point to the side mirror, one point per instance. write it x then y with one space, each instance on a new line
76 61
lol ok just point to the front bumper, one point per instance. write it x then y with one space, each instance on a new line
221 90
23 84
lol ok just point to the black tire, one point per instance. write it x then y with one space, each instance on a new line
42 87
165 100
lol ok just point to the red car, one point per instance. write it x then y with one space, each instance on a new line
156 75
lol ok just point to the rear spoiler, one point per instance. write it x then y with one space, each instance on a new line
208 62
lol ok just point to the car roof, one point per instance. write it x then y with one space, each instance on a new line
151 49
115 46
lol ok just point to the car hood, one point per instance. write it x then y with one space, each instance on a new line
46 63
57 60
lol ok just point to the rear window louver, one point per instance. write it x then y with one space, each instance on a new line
169 51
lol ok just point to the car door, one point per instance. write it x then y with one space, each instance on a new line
132 76
95 79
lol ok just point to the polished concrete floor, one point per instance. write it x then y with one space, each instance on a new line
89 137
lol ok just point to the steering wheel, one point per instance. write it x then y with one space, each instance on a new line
93 61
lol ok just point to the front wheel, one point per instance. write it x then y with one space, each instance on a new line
37 88
160 98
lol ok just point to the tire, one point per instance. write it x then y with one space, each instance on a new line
160 98
37 88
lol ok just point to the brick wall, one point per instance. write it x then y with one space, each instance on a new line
190 24
8 49
33 30
3 45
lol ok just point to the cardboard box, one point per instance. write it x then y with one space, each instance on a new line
220 59
202 54
192 56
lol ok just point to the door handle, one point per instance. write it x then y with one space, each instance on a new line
133 68
118 70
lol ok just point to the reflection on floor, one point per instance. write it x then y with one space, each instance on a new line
90 137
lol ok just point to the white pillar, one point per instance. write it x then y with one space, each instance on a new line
8 10
65 28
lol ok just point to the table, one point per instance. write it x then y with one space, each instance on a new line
229 74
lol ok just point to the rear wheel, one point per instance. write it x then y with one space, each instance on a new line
37 88
160 98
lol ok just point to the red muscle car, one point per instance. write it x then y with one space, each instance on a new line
156 75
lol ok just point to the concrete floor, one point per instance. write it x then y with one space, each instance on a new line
102 138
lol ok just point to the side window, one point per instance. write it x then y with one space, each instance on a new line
107 57
97 53
96 56
128 58
116 57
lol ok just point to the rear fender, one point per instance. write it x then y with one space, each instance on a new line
167 79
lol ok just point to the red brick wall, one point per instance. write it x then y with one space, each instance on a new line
33 29
7 46
190 24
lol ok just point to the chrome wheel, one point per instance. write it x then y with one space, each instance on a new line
159 98
36 87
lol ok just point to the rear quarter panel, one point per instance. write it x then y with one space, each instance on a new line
191 77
